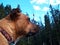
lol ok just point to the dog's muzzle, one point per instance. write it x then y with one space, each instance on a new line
31 33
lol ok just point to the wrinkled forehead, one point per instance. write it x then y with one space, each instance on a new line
23 16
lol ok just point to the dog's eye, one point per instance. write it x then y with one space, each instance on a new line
29 19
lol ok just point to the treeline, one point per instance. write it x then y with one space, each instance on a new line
47 35
5 10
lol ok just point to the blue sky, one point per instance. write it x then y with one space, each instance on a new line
37 7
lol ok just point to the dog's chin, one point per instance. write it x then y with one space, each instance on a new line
30 34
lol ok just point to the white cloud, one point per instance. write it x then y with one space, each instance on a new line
36 7
58 1
32 1
45 9
41 9
52 2
39 1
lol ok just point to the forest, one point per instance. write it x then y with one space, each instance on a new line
49 34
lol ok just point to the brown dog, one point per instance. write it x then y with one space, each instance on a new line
15 25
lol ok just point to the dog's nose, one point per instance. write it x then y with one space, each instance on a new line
33 29
36 28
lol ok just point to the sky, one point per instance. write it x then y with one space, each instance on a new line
37 7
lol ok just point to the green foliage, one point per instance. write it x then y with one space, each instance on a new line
4 11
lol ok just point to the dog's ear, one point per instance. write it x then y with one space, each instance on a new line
13 15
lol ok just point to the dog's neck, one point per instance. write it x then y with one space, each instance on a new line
6 35
10 28
13 30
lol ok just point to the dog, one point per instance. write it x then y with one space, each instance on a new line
15 25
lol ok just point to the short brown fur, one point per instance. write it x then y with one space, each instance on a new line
16 25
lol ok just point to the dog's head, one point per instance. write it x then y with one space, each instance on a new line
23 24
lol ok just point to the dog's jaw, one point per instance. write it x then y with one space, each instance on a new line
14 25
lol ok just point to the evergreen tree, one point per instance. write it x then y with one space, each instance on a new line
56 16
2 11
7 9
47 30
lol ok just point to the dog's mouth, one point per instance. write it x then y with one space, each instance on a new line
30 34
